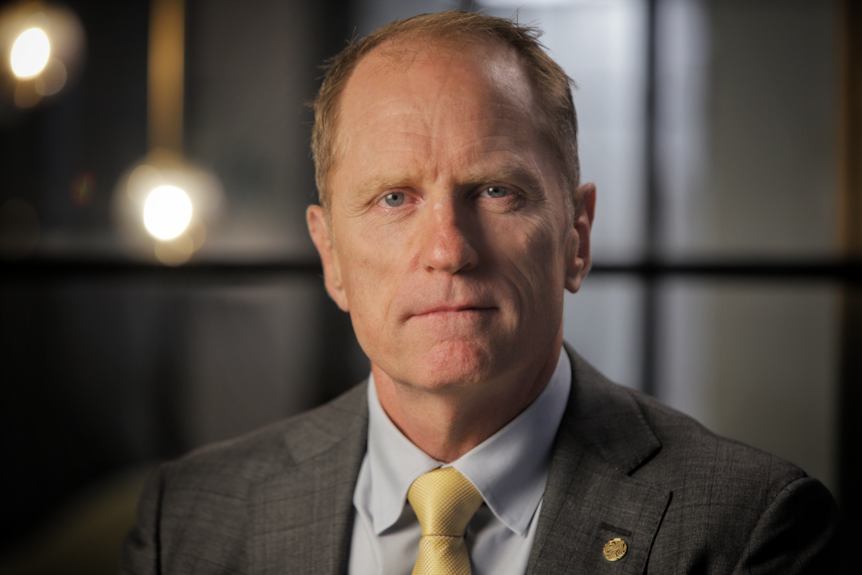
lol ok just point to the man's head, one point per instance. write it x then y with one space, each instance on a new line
448 230
557 118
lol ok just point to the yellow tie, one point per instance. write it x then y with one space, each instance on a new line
444 501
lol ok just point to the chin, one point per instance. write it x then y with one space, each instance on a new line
454 364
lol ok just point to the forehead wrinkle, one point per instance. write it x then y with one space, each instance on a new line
502 152
505 86
429 109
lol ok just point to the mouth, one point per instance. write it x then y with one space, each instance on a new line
450 310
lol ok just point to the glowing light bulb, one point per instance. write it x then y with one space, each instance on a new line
30 53
167 212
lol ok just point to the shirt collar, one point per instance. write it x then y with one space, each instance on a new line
510 468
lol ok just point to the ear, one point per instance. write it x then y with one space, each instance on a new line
318 227
579 260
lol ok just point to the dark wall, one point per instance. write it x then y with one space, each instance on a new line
105 370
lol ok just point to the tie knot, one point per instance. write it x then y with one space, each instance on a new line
444 502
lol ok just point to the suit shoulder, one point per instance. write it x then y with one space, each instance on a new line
741 507
690 448
644 438
274 447
200 513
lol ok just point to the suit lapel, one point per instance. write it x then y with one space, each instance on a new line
301 514
591 497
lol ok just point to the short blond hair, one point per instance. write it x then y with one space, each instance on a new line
551 85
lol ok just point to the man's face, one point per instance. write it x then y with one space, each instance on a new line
451 242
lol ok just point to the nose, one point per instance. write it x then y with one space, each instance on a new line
446 246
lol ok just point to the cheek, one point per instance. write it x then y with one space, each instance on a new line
535 258
537 249
369 273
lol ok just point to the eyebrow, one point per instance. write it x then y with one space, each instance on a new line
513 173
367 189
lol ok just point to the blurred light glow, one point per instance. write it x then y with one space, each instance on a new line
167 212
30 53
53 78
26 95
83 189
141 221
175 252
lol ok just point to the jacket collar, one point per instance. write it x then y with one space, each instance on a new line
591 496
309 494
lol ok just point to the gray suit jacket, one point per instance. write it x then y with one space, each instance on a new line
279 501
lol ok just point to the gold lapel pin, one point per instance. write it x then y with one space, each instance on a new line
615 549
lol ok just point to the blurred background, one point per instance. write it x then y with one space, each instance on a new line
158 289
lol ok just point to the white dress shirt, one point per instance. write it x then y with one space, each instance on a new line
510 470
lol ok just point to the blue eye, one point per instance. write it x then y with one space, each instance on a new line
496 192
394 199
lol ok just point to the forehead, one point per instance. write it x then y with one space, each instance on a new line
427 69
410 93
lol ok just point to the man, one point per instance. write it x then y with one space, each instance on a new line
451 221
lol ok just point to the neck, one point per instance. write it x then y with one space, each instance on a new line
447 424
